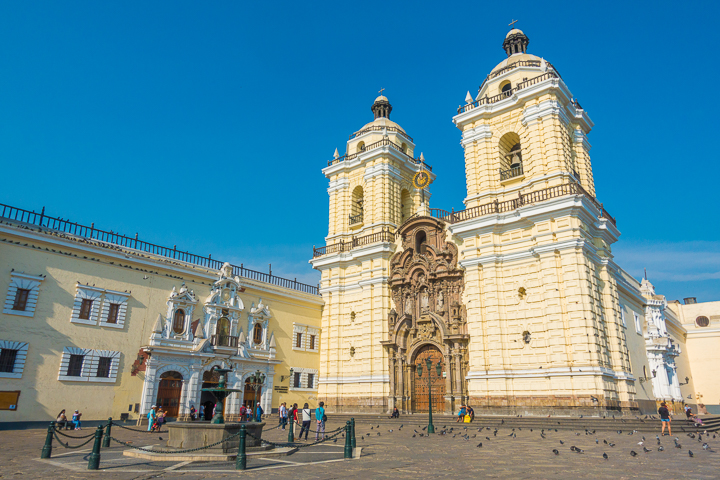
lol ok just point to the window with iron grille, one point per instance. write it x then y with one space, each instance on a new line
296 380
310 380
7 360
104 367
75 365
257 333
312 342
113 313
298 340
21 297
85 309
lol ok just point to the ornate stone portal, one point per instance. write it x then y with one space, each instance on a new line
429 319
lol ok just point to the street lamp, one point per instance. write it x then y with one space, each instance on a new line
438 370
257 380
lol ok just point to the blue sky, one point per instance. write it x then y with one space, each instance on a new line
207 124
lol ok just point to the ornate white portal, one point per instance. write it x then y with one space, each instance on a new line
182 348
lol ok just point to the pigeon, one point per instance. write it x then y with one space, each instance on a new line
661 448
371 427
401 426
378 434
562 443
611 444
479 444
555 451
690 453
633 453
160 438
597 442
414 430
706 446
605 442
423 429
335 440
487 438
378 426
414 435
605 456
646 450
390 431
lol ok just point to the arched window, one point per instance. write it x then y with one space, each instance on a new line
406 205
356 206
403 148
420 241
179 321
257 334
511 164
505 89
360 147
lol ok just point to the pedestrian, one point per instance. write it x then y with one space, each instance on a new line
76 420
193 413
258 412
201 413
395 413
688 412
159 419
151 418
62 421
470 413
243 412
665 418
320 417
461 414
306 417
283 415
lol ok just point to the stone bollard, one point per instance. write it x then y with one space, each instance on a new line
352 422
291 434
241 459
94 461
47 448
106 438
348 440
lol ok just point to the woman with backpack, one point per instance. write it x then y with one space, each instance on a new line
306 417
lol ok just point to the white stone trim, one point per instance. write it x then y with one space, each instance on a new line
382 378
549 372
478 133
28 282
339 184
89 293
638 325
90 365
20 357
304 379
121 300
306 331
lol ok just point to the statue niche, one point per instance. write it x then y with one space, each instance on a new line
426 287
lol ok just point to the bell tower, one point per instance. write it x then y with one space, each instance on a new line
371 195
540 282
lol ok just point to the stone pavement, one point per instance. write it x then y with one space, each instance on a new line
402 453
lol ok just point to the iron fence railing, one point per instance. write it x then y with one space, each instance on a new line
508 93
511 173
380 128
353 219
15 214
383 236
380 143
223 341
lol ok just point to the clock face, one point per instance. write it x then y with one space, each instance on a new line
421 179
226 295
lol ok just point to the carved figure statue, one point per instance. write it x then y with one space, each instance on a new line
440 300
424 300
408 305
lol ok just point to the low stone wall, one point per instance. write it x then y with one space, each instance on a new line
185 435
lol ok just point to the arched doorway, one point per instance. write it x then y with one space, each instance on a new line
210 380
420 390
169 392
251 396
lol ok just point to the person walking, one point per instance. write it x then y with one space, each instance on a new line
292 416
258 413
201 412
665 418
151 418
320 418
283 415
306 417
193 413
76 420
62 421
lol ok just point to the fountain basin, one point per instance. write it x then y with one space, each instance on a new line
185 435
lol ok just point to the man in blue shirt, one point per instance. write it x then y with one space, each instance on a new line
320 418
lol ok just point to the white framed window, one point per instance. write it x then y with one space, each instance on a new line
88 365
12 358
22 294
305 338
638 325
87 305
304 379
622 316
114 308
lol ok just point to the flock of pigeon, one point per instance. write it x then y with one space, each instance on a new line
463 434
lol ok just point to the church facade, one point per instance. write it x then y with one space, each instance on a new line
517 297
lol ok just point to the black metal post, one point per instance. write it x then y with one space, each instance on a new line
47 448
431 427
348 440
106 438
291 433
352 422
94 461
241 459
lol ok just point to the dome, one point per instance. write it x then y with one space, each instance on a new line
382 98
382 122
515 58
514 31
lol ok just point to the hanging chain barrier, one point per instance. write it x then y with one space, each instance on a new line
137 429
76 438
67 445
175 451
328 436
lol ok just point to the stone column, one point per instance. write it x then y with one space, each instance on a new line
267 392
148 394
